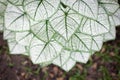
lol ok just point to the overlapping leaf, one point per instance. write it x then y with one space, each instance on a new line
16 2
59 31
67 59
42 52
116 17
64 60
96 27
81 42
41 9
66 22
43 30
16 19
14 46
3 4
23 38
88 8
112 33
111 6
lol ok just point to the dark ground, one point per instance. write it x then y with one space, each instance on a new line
104 65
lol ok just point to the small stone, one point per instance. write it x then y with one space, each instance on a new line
112 54
94 66
102 50
80 67
60 78
51 75
23 74
55 69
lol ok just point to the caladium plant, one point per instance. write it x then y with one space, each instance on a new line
61 32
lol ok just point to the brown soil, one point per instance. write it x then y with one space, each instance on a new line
104 65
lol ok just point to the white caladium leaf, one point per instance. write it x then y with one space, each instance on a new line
39 50
15 19
41 9
1 23
64 60
3 4
87 8
43 30
81 56
16 48
67 59
111 6
112 33
96 27
81 42
61 32
66 22
16 2
23 38
116 0
7 35
116 17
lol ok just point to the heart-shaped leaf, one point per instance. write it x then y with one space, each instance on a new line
16 19
88 8
41 9
43 52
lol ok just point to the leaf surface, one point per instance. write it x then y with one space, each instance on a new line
16 48
87 8
81 42
111 6
3 4
65 22
23 38
43 30
15 18
96 27
64 60
41 9
43 52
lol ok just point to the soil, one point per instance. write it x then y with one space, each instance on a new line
104 65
